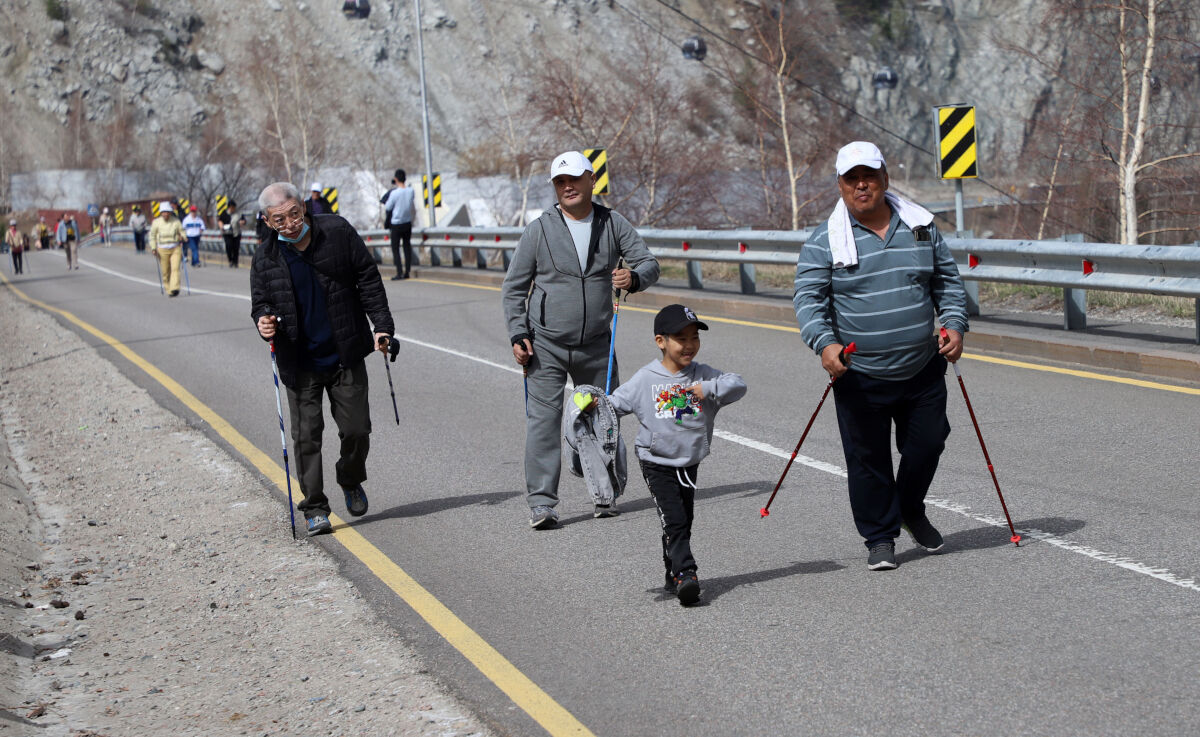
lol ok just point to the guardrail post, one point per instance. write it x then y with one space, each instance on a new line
456 257
506 255
695 276
749 278
434 258
1074 300
480 258
970 287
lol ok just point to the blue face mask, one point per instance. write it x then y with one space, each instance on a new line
297 239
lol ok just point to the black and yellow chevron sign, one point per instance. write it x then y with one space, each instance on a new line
330 194
154 207
222 204
119 215
184 203
437 190
599 159
957 157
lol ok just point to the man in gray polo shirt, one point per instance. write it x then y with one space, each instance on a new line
558 307
877 273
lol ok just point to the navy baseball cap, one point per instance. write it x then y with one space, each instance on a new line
674 318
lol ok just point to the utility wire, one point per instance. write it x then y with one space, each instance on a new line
845 106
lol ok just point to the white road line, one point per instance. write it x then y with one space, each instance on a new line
1162 574
139 280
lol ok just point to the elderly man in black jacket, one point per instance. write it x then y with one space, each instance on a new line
313 288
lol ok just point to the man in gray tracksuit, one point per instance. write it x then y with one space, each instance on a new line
557 299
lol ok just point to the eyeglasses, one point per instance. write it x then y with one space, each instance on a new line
282 220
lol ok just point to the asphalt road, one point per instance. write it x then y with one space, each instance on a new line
1088 628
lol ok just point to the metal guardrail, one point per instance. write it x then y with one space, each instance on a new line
1074 267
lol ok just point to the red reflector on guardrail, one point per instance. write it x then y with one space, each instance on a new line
497 239
686 245
447 236
470 239
741 248
1088 267
972 260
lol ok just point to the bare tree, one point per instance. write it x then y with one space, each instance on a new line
1126 65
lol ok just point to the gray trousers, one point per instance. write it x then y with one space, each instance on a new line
548 370
347 389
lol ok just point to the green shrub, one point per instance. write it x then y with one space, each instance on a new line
56 9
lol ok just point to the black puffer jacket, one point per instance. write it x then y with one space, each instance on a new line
353 292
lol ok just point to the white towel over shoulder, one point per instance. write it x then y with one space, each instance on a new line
841 234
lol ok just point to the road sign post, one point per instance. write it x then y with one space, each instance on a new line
958 159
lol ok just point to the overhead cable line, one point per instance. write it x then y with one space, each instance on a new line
845 106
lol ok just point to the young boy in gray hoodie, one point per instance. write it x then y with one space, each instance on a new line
676 401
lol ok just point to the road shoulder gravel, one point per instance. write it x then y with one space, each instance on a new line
149 583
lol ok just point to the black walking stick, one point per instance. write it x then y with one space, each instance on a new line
287 473
765 511
393 349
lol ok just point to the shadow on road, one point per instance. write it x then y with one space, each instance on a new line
747 488
441 504
712 589
982 538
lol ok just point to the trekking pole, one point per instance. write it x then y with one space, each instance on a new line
393 349
186 280
158 270
287 472
846 351
612 339
525 371
1015 539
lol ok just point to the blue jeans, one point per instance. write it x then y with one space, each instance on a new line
194 244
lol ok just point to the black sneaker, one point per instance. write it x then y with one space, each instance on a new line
924 534
687 587
882 556
318 524
356 500
669 585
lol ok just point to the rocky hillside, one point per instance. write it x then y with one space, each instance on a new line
133 83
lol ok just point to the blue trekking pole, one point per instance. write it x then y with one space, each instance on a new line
186 280
612 339
287 472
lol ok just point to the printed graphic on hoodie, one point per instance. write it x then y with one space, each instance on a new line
675 401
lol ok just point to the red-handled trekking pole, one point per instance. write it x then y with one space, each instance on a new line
1016 539
844 355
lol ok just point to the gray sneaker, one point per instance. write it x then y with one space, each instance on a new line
542 517
606 510
317 524
924 534
882 556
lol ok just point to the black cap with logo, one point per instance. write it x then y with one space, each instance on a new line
674 318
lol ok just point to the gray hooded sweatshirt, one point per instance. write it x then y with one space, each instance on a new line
545 291
676 430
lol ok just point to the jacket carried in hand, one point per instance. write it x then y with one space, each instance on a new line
351 282
545 292
676 428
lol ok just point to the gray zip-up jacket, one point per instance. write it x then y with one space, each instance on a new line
676 430
545 292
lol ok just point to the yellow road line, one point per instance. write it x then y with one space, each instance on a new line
516 685
971 356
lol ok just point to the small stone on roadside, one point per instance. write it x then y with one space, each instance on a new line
79 614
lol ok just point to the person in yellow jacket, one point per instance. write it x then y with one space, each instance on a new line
166 239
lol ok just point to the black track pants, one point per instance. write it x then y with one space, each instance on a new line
866 409
674 492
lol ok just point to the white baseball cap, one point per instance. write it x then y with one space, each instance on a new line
316 187
166 207
571 163
859 153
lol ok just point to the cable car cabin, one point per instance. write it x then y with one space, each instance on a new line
356 8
